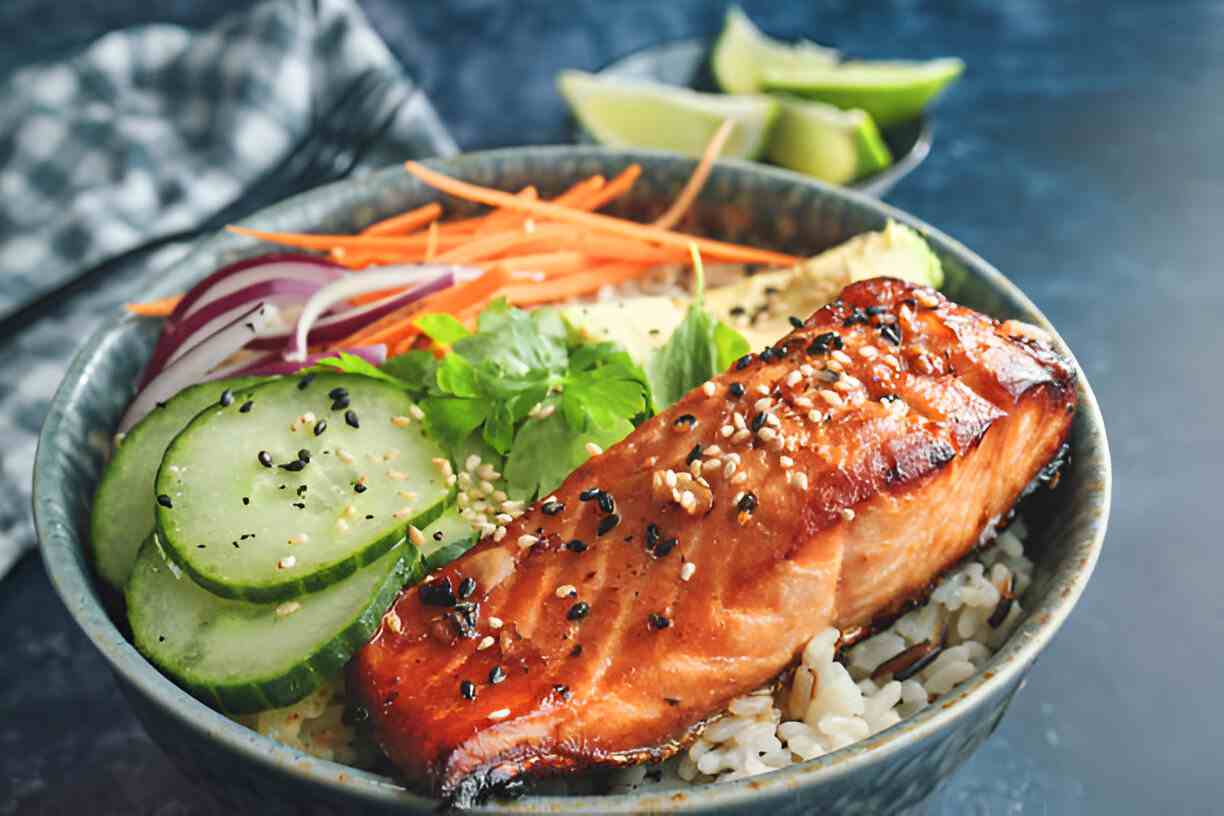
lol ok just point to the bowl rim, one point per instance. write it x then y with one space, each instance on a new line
877 184
74 581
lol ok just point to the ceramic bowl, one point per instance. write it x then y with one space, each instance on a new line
887 773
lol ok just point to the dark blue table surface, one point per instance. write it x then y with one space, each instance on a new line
1081 154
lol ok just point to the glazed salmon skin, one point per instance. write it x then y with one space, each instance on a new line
826 481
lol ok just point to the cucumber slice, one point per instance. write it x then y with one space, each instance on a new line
122 508
446 539
243 657
257 532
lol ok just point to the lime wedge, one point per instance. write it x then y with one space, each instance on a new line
889 91
622 112
820 140
743 51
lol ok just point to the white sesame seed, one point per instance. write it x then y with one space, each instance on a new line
669 478
403 512
342 526
499 533
806 370
803 402
833 365
787 461
708 388
844 385
527 540
308 418
415 535
288 562
741 436
762 404
485 642
416 412
841 357
593 450
397 475
495 622
793 379
740 477
868 352
725 431
847 514
287 608
499 714
566 591
790 477
767 433
504 518
401 421
487 472
407 495
344 456
814 416
763 390
739 420
695 467
686 571
512 506
832 397
393 622
773 420
687 500
801 480
391 455
487 529
711 465
729 469
651 462
892 361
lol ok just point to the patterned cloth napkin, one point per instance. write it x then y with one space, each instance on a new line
144 134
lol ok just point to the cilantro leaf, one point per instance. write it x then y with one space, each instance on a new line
352 364
546 451
453 419
457 377
442 328
416 369
515 343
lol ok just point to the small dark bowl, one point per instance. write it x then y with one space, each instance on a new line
887 773
685 63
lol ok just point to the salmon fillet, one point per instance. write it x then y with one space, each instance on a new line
828 480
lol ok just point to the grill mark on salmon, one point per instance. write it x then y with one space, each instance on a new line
879 471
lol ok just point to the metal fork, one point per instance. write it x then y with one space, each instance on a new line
338 137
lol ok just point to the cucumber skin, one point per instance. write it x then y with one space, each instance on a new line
108 568
332 656
320 579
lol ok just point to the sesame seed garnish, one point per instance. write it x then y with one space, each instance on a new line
658 622
552 508
726 431
801 480
337 392
164 500
305 382
767 434
762 389
786 461
684 422
350 419
566 591
795 322
664 547
868 352
416 412
485 642
397 475
527 540
393 622
288 562
294 466
743 362
688 501
746 503
729 469
391 455
287 608
711 465
495 623
578 611
227 398
467 586
496 675
576 545
265 458
891 333
499 533
686 571
438 592
736 390
499 714
740 478
605 501
708 388
842 357
415 535
401 421
847 514
360 487
741 436
245 408
793 379
607 524
824 343
832 397
467 689
694 454
762 405
758 421
342 526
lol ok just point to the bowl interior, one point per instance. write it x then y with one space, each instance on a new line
742 202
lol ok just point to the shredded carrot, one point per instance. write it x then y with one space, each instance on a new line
692 187
714 250
549 264
357 243
503 218
616 188
431 245
571 286
406 222
580 192
155 308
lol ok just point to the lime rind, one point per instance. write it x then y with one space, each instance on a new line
743 50
826 142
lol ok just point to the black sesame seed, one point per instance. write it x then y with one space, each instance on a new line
858 316
757 422
824 343
685 419
360 487
606 503
872 311
369 516
305 382
693 455
340 404
743 362
350 417
265 459
227 398
300 505
304 455
245 408
607 524
246 500
438 593
339 392
795 322
467 689
164 500
438 535
891 333
301 491
589 493
467 586
497 675
562 689
295 465
747 502
578 611
576 651
664 547
888 398
576 545
653 535
320 427
736 389
767 354
658 621
737 311
552 508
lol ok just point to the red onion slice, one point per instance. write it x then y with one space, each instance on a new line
195 364
241 274
270 365
424 280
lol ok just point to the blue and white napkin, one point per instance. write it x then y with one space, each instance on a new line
144 134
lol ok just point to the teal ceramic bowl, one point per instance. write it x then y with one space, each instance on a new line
891 772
